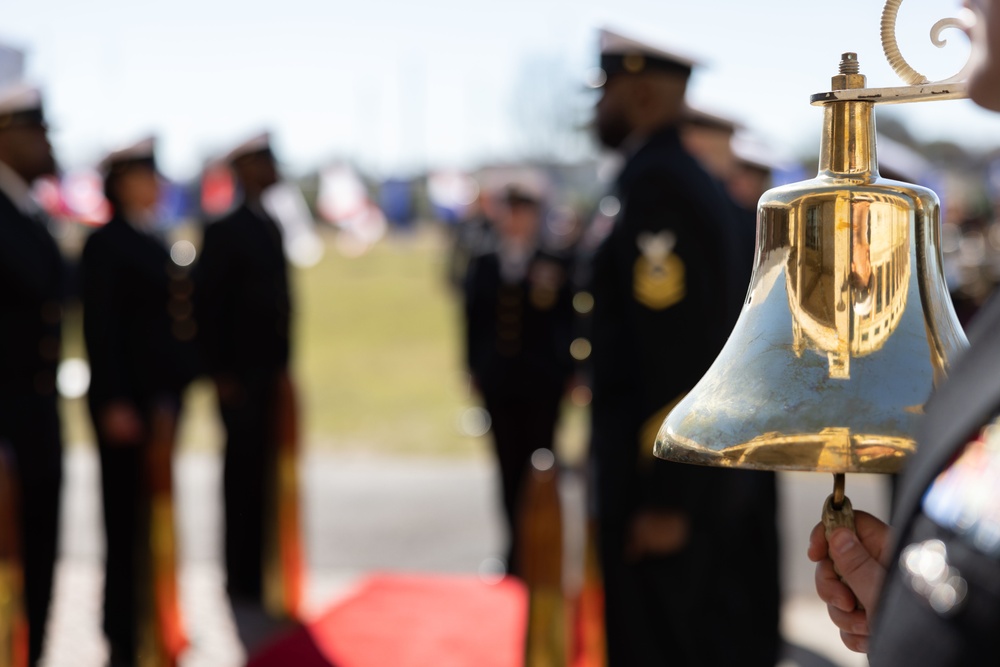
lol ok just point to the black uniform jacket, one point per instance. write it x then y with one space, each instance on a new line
947 612
137 316
518 334
31 292
242 296
664 303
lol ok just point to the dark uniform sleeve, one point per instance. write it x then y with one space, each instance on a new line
940 605
213 288
102 324
673 258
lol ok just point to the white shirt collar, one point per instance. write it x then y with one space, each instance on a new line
19 192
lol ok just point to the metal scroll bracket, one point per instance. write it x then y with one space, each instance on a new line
919 88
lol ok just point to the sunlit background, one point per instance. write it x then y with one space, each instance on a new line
388 118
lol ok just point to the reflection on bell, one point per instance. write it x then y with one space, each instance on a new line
847 325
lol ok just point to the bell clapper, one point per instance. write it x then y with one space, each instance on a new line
837 510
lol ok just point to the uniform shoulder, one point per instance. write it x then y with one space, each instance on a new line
226 217
101 237
224 223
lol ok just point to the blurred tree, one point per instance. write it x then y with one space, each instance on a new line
550 110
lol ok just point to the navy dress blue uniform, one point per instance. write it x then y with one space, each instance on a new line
32 282
518 334
941 601
663 308
243 307
139 332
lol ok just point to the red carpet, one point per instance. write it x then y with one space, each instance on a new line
412 621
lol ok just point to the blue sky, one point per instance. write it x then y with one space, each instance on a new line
400 85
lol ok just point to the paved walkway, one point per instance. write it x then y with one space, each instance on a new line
367 514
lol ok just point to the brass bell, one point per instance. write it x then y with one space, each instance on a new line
847 325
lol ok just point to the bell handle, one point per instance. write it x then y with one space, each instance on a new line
838 513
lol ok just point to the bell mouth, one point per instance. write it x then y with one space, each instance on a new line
833 450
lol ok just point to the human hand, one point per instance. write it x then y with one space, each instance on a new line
657 532
850 570
120 423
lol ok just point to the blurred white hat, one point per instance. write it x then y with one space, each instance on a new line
258 143
622 54
20 104
751 151
138 152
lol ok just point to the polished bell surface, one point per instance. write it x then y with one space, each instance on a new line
846 328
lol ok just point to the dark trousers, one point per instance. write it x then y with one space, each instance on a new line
251 443
520 426
716 602
125 493
30 426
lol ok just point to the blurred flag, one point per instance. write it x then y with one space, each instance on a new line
396 201
451 193
175 203
217 190
78 195
285 203
343 201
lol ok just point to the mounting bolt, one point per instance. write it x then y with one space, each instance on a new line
849 64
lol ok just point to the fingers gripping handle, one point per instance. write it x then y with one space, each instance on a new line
838 513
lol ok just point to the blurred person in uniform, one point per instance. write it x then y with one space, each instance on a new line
243 309
32 281
663 306
708 138
750 177
518 330
924 592
473 234
139 330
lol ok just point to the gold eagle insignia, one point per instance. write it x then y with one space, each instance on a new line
658 275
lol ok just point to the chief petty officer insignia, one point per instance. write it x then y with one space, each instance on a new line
964 501
658 276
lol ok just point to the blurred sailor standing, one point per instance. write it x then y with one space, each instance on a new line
243 305
519 319
664 301
139 331
32 279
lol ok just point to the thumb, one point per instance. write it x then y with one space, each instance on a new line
856 566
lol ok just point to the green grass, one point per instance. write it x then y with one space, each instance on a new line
377 350
377 359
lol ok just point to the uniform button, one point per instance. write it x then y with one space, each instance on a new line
580 349
181 287
184 330
583 302
610 206
180 309
51 312
48 348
